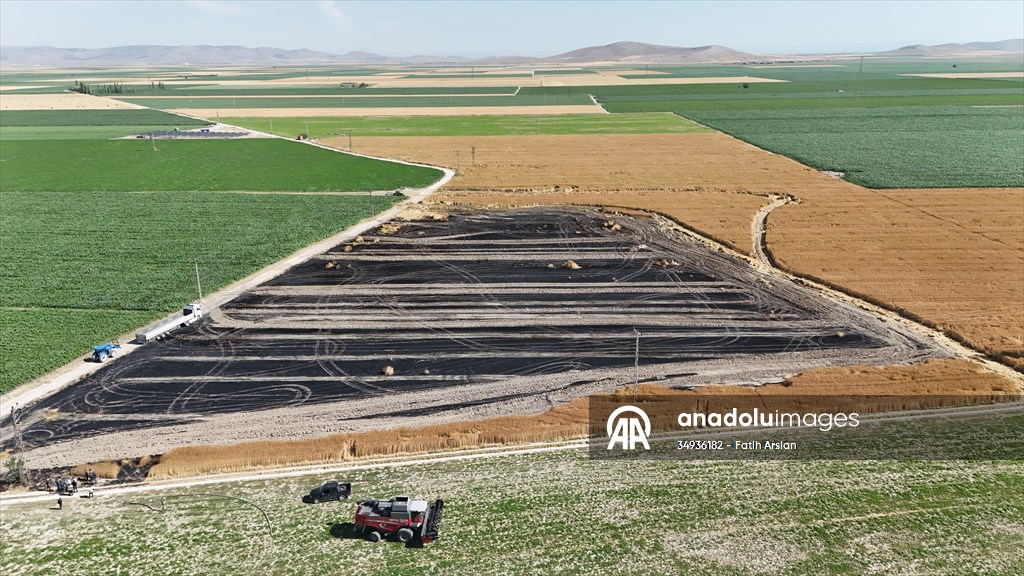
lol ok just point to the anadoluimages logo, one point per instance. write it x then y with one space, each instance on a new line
627 431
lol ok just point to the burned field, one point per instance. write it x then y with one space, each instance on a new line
487 313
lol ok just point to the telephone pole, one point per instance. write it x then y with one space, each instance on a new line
199 286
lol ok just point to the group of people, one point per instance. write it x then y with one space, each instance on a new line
69 486
66 486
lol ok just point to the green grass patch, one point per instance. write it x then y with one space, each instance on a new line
214 90
907 147
320 127
562 514
250 164
769 104
89 266
226 103
470 75
73 132
557 72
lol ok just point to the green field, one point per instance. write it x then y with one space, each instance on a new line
245 164
214 90
468 75
562 514
906 147
95 118
92 252
82 267
557 72
87 124
226 103
320 127
8 133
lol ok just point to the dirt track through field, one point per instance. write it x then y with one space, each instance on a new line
478 316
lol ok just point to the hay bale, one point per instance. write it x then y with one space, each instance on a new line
572 265
388 371
329 265
347 248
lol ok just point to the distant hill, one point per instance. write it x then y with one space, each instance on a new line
625 53
157 55
1013 47
638 52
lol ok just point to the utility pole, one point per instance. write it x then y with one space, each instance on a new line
472 151
636 364
308 137
199 287
457 162
271 125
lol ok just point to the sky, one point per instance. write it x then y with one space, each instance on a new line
497 28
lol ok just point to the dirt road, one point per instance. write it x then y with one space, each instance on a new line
30 498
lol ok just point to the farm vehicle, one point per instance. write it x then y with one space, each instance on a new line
103 351
330 490
190 314
401 517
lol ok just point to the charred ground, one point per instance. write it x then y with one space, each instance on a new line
477 315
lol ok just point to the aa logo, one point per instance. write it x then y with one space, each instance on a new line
628 431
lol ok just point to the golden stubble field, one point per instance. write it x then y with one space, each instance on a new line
953 257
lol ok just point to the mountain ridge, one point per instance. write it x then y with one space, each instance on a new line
625 52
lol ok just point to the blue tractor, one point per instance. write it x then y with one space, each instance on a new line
103 351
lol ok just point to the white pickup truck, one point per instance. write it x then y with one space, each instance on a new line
190 314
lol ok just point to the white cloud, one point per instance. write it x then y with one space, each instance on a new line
331 10
217 6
